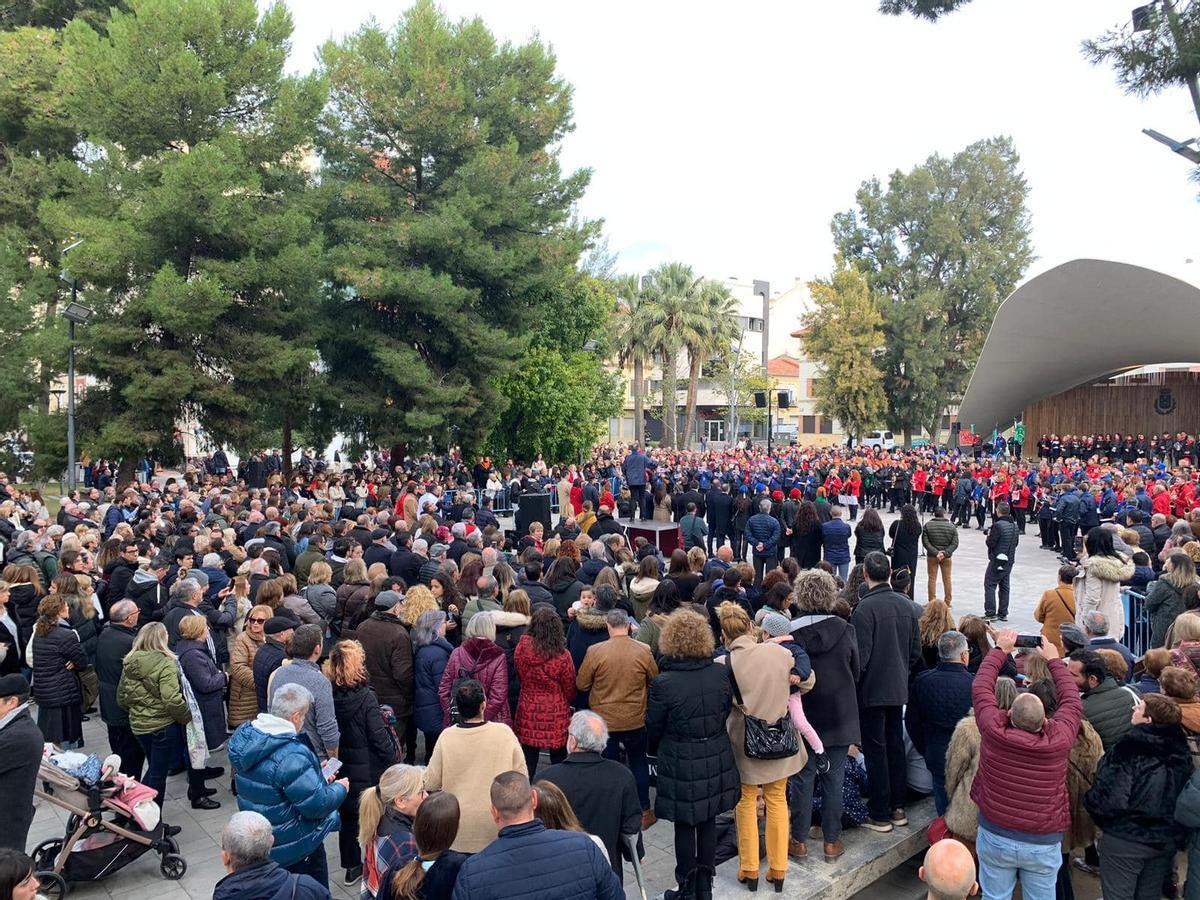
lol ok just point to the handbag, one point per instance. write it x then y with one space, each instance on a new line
764 740
197 745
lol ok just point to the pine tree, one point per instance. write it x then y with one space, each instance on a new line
843 332
452 224
200 249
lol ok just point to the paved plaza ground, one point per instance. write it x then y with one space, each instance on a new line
1034 571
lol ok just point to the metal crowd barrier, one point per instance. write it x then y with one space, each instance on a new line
502 504
1137 622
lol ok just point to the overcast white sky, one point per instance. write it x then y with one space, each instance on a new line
727 135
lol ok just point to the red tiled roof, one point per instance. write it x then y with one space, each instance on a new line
783 365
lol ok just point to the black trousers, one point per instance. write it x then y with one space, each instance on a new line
1131 870
1019 512
533 754
348 848
695 847
1066 537
123 742
883 753
637 493
431 738
993 579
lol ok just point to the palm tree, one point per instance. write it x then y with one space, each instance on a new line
719 312
672 315
633 345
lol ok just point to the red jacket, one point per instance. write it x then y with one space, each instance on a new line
547 689
1161 504
1022 780
490 669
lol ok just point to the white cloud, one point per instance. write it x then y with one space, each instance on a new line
727 136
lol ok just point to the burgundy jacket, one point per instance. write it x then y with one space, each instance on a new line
488 666
1022 779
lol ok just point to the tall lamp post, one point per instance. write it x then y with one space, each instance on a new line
76 314
763 289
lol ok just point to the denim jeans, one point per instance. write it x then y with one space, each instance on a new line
163 749
1003 861
802 784
842 570
634 743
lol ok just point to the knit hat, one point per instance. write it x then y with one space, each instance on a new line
278 625
379 534
776 625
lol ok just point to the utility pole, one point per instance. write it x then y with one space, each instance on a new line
763 289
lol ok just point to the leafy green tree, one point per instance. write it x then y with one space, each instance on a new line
452 223
673 318
951 237
718 311
844 332
57 13
737 388
200 250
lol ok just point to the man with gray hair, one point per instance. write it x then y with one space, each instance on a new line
114 643
1096 628
937 701
246 854
484 600
762 535
279 776
602 792
596 562
618 673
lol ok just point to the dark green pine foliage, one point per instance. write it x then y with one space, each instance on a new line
202 255
451 227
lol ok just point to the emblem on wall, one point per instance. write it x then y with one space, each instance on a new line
1166 402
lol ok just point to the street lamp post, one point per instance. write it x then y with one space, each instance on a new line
76 314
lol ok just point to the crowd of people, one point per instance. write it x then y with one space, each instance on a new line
481 713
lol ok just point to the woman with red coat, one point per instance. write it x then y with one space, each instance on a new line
479 657
577 497
547 688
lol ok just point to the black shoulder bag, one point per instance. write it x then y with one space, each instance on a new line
764 740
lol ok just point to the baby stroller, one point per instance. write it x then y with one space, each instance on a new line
111 824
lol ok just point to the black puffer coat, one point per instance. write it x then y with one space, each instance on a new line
1139 779
53 683
832 705
686 713
366 747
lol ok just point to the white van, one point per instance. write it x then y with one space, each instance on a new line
875 440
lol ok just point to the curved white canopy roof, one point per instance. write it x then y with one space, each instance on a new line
1074 324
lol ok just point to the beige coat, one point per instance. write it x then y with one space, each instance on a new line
243 701
1098 587
465 761
762 677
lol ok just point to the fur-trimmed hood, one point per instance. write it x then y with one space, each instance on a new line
1108 568
591 620
509 619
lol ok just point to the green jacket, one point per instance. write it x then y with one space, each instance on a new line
940 536
149 691
1109 707
304 564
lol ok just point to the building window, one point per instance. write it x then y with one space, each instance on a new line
714 429
809 425
946 423
754 324
810 388
826 425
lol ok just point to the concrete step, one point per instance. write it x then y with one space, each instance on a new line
869 857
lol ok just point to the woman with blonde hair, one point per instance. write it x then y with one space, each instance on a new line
1184 641
319 593
935 621
417 599
351 601
760 678
58 658
432 874
366 747
243 701
554 811
385 824
1164 599
689 704
149 690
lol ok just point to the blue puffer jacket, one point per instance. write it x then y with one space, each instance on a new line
763 528
428 665
835 535
527 862
278 776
